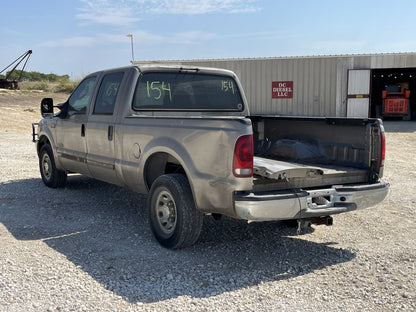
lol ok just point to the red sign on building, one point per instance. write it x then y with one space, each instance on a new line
282 89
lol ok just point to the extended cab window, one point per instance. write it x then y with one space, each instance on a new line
80 98
187 91
106 98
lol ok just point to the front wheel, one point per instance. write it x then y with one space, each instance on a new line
51 176
174 219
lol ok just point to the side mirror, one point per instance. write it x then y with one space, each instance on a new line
46 107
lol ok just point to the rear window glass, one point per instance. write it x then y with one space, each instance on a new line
187 91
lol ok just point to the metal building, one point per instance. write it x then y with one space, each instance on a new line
329 86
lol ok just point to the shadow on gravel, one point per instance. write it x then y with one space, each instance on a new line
399 126
103 230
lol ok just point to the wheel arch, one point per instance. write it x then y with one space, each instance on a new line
43 140
160 163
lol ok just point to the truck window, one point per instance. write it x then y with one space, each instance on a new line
186 91
80 98
106 98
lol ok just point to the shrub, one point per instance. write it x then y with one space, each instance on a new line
66 86
40 85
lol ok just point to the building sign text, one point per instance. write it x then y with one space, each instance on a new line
282 89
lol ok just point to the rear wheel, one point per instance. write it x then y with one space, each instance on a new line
408 116
174 219
51 176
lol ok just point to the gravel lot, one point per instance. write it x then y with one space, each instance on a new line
88 247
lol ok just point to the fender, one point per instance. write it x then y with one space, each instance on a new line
175 150
160 145
46 135
211 189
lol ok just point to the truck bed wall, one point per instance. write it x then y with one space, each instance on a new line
319 141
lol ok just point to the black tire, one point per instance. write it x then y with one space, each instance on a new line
408 116
51 176
174 219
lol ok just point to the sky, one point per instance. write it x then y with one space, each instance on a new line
77 37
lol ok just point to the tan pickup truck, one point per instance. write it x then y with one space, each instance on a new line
185 137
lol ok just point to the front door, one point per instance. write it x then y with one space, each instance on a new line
70 131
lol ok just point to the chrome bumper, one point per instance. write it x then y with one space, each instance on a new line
301 204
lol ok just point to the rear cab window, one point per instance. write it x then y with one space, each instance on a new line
184 91
107 94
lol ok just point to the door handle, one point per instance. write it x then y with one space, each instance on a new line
83 130
110 133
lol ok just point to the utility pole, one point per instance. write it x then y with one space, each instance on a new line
132 51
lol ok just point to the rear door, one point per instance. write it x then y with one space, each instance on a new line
358 97
100 128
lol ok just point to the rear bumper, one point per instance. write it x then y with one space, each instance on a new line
300 204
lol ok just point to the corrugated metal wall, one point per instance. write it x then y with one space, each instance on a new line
319 83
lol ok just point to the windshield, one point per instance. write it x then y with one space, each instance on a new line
187 91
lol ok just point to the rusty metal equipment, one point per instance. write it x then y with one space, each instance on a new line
14 84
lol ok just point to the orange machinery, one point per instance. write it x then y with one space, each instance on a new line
396 101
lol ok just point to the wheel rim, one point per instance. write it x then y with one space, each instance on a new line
46 167
166 212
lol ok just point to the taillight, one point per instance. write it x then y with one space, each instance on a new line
243 157
383 149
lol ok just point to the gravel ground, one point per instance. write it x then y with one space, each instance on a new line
88 247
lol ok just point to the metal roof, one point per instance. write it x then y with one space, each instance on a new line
395 54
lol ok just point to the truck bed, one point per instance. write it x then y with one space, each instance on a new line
314 152
273 174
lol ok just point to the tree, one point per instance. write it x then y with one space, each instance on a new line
36 76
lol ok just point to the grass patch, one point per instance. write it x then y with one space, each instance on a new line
35 85
64 86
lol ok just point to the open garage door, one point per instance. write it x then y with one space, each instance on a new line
383 80
358 96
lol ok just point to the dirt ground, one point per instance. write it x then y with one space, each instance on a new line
88 246
18 109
